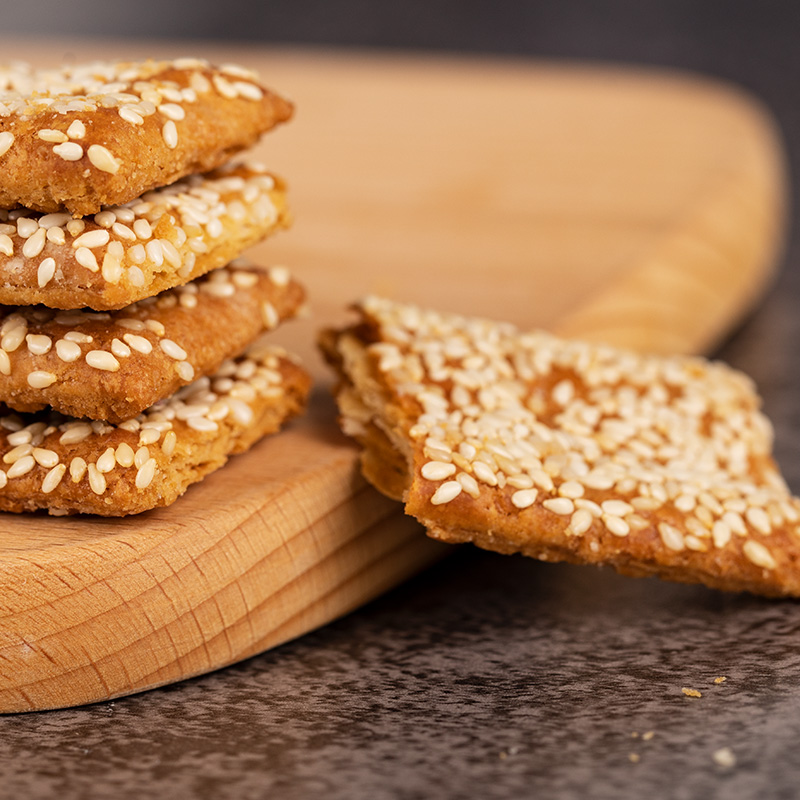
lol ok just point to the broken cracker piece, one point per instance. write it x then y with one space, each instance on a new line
566 451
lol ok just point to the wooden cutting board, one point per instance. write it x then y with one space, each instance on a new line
640 208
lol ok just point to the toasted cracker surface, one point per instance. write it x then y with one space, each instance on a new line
85 136
126 253
111 366
68 466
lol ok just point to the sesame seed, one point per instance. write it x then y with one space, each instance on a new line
107 461
97 481
469 484
53 478
155 252
38 344
759 519
91 239
580 522
571 489
203 424
142 455
46 271
16 453
184 370
40 379
76 130
21 467
170 134
130 323
168 445
559 505
102 360
6 140
68 351
616 525
77 469
617 508
138 343
524 498
155 326
50 135
75 227
56 236
35 244
69 151
123 231
17 438
280 276
86 258
5 363
26 227
724 757
269 315
149 436
45 457
6 245
49 221
142 230
75 434
145 474
120 349
172 111
103 159
720 533
13 339
105 219
446 492
130 115
172 349
758 554
671 536
437 470
124 455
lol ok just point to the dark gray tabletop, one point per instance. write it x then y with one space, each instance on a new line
491 676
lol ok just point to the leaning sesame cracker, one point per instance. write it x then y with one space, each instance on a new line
565 451
85 136
70 466
125 253
111 366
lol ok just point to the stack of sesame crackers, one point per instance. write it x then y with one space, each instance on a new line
130 355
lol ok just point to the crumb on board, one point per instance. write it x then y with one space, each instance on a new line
724 757
635 735
648 736
691 692
720 679
634 758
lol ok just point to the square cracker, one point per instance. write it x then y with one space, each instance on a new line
566 451
97 134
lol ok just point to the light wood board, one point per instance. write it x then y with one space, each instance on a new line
645 209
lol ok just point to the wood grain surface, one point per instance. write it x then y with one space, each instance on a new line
639 208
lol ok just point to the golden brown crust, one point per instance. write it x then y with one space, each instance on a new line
565 451
70 466
112 366
140 125
124 254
